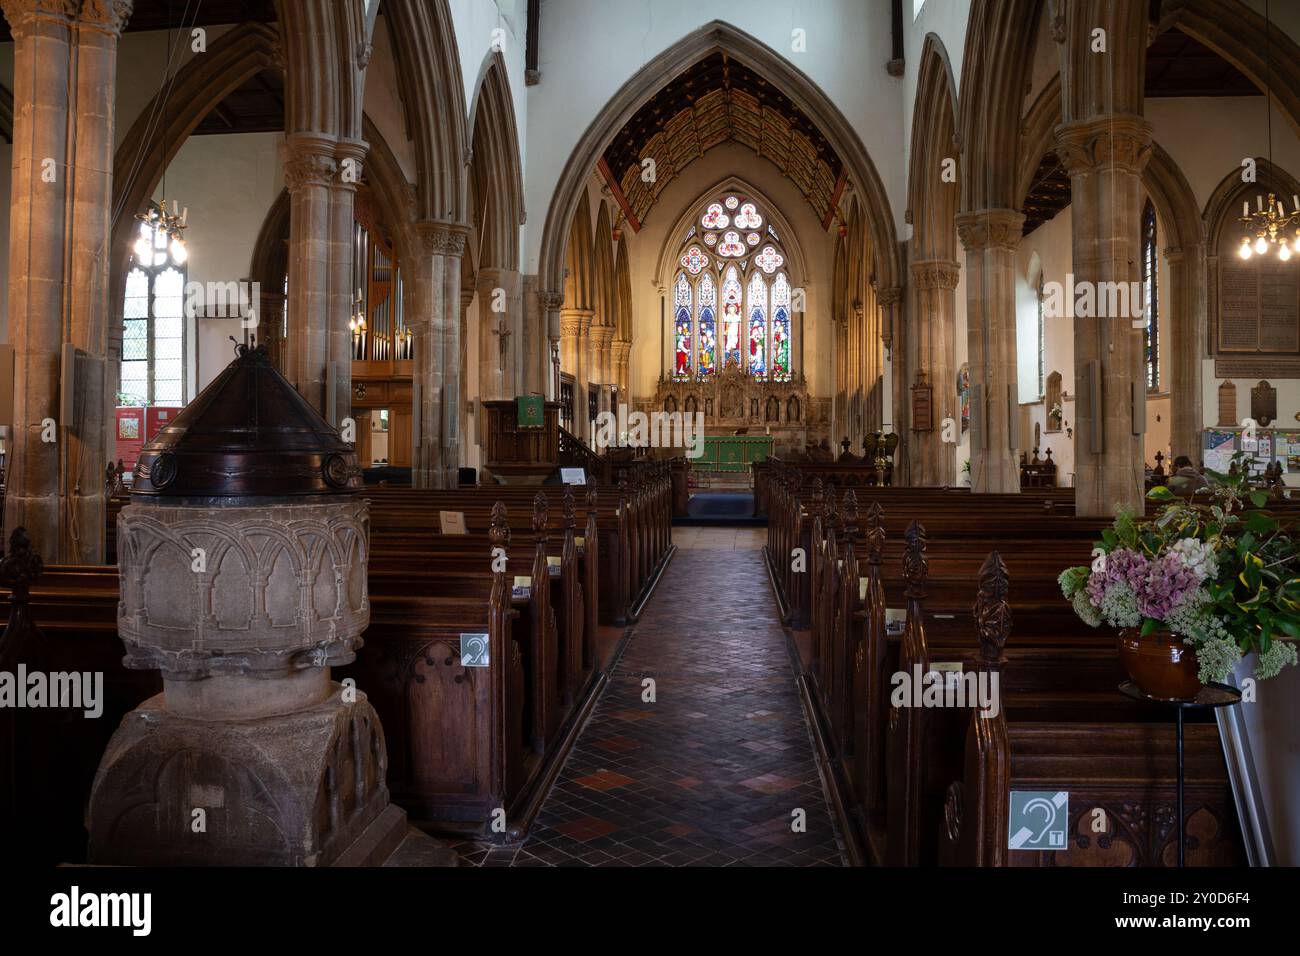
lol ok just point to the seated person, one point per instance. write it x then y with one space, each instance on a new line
1186 479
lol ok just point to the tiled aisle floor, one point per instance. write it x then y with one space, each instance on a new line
712 772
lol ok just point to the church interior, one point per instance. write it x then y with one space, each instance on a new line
549 433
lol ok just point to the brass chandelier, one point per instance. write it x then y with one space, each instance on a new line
1267 225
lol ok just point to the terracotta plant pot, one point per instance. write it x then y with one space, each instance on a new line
1160 664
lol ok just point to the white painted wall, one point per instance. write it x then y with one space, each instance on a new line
228 182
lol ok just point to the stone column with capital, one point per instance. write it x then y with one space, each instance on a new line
574 324
990 237
348 157
438 366
311 173
1105 156
65 63
932 350
549 304
1185 306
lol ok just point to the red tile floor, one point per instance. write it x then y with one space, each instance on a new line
714 771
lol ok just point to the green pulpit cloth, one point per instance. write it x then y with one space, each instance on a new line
531 412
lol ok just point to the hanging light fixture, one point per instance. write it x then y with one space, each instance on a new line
1267 225
162 234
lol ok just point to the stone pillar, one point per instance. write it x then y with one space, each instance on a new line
1184 305
438 367
549 305
348 158
311 174
64 86
495 332
574 324
1105 156
990 237
933 462
602 336
622 351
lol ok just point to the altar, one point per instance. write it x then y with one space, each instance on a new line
780 416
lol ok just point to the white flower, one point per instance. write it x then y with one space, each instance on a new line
1197 556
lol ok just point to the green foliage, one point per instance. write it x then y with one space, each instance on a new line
1255 592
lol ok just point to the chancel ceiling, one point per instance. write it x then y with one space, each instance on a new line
716 101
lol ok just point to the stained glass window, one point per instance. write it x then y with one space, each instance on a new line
682 335
715 217
731 318
731 245
740 263
781 328
757 325
748 217
1150 282
694 260
708 302
769 260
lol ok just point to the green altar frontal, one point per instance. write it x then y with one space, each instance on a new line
732 453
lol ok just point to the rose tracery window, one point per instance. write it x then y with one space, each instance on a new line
732 299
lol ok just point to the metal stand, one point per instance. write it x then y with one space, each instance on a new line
1211 695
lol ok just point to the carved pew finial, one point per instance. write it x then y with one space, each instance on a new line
875 533
850 509
21 565
993 611
541 515
570 508
499 531
591 499
915 566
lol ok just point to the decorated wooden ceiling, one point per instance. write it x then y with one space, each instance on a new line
719 100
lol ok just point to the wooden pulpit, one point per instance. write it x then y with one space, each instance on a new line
520 454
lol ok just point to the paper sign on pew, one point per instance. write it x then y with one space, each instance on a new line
452 522
553 565
895 619
573 476
523 587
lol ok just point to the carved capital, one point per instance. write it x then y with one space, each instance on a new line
888 296
550 301
442 238
990 228
935 273
107 16
1119 141
308 161
22 14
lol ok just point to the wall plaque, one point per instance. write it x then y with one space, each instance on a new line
922 404
1227 405
1263 403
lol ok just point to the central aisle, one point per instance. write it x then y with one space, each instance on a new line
712 771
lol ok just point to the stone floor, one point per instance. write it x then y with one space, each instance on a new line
719 769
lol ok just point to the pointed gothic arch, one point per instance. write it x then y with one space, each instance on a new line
496 172
579 259
803 93
433 100
933 201
606 292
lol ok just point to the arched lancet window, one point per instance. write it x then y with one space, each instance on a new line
153 319
731 260
1150 284
1042 341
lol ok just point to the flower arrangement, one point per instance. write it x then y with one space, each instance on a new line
1224 578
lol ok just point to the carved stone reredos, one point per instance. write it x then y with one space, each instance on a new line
265 591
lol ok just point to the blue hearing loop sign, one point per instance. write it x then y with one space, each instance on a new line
1038 819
